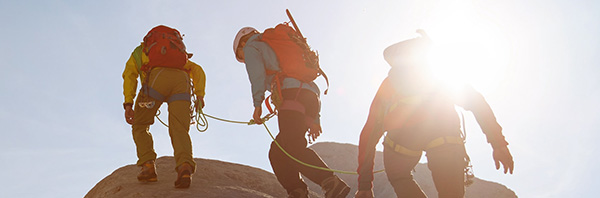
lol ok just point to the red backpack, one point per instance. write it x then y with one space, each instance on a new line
164 48
295 57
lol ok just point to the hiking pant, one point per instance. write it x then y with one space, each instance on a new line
164 85
292 131
446 162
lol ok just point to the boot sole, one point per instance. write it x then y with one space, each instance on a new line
344 192
183 182
148 180
341 194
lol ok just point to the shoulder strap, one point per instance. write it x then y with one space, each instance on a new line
137 56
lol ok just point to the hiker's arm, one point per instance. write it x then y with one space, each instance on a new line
473 101
369 137
130 75
255 67
198 79
502 156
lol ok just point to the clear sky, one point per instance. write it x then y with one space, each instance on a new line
61 120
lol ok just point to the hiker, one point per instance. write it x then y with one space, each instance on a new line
298 112
162 65
419 115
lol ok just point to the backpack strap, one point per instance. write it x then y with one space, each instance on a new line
137 56
322 73
275 90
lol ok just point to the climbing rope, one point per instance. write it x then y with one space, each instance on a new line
199 118
265 119
157 114
310 165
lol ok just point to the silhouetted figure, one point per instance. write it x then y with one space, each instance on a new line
418 115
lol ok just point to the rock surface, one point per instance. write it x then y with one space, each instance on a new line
217 179
344 157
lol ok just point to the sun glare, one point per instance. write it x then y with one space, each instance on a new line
468 48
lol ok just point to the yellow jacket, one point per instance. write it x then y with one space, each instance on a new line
132 72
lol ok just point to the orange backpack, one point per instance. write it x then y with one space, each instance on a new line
164 48
295 57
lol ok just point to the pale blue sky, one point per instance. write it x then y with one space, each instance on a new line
61 119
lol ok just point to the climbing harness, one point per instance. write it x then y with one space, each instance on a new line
198 118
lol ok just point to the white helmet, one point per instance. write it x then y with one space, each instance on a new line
243 32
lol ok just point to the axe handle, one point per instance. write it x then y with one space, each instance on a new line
294 23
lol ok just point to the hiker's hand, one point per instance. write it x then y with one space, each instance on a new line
314 131
502 155
199 104
257 114
364 194
129 114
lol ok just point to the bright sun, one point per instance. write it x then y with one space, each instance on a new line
468 48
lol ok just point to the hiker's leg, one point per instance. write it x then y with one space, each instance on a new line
284 168
447 165
299 127
143 118
294 142
174 84
179 126
398 168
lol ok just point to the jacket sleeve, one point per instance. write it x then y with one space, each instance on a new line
130 76
198 78
473 101
255 66
369 137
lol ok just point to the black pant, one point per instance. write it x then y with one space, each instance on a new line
292 131
446 162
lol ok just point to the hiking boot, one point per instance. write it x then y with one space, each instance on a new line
334 187
184 176
299 193
148 172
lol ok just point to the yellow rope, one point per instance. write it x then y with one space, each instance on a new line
157 114
201 116
199 120
310 165
266 118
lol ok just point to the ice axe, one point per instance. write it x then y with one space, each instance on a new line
287 11
294 23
